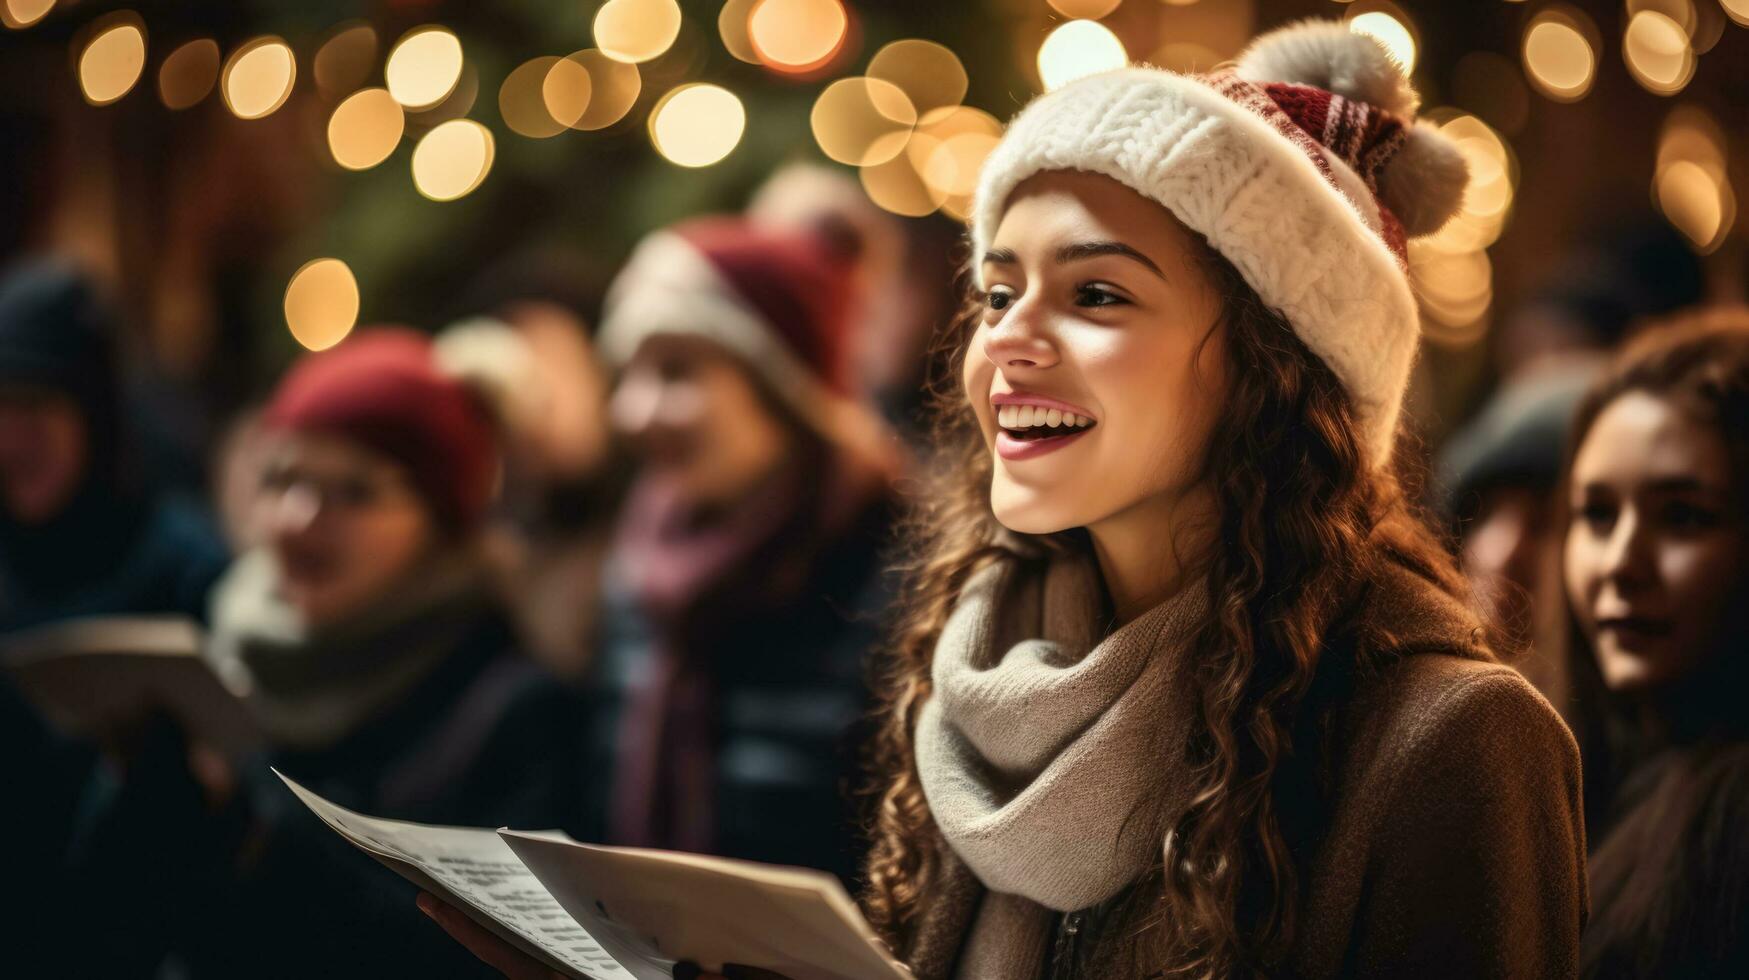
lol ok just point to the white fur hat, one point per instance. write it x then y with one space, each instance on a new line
1302 165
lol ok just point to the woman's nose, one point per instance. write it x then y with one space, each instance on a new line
633 406
1626 559
1019 339
295 509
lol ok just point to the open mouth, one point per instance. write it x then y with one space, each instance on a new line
1030 423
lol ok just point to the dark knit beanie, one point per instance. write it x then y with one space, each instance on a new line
382 389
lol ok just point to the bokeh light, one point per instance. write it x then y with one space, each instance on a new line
1390 28
1077 49
258 77
896 186
565 91
189 73
522 101
862 121
732 26
1691 184
19 14
1088 9
929 74
1700 207
111 64
452 159
797 35
697 125
633 31
948 152
345 60
1658 53
424 67
1558 56
1737 10
1455 290
365 128
613 88
321 303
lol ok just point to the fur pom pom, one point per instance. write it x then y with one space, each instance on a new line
1423 184
1325 53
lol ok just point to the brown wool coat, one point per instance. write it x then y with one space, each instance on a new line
1455 845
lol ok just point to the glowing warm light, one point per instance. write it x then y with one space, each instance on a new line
321 303
797 35
1455 289
1689 133
1089 9
1077 49
1737 10
1657 52
1389 31
19 14
1680 11
1488 195
189 73
698 124
862 121
896 185
732 25
258 78
1559 59
522 100
452 159
345 60
949 150
929 74
636 30
613 88
365 129
111 64
565 91
424 67
1700 207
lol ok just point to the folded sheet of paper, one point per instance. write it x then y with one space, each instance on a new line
88 675
618 913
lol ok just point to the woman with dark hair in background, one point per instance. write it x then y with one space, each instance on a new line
1656 561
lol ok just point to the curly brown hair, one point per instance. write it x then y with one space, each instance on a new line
1301 519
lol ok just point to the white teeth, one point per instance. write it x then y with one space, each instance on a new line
1034 416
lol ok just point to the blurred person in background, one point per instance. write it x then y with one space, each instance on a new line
744 586
83 530
1496 482
1656 564
562 477
365 635
902 282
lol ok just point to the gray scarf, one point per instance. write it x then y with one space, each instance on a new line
1049 751
309 687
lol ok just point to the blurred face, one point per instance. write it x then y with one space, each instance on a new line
1089 374
1653 554
694 417
42 453
343 524
1503 551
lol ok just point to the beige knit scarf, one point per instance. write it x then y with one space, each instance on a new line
1050 752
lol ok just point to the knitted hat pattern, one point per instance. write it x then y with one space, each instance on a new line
383 389
1302 165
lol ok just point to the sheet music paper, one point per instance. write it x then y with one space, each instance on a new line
474 870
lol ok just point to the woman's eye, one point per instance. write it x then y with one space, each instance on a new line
1597 515
1094 294
1684 516
998 299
